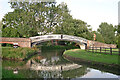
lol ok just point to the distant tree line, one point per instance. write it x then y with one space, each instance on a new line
33 18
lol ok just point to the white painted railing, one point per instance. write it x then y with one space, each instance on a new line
58 37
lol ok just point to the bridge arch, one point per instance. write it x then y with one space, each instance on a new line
39 39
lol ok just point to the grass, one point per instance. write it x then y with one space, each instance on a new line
13 64
16 52
98 57
114 51
24 74
9 74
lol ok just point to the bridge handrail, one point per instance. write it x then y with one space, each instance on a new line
58 37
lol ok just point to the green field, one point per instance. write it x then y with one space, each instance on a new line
98 57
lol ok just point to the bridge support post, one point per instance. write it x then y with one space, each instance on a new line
56 42
87 44
52 42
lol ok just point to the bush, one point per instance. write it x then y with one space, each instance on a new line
17 52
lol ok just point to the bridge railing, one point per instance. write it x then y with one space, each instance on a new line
45 37
58 37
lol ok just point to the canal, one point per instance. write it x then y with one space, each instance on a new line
50 58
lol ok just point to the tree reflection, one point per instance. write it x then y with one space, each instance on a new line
75 73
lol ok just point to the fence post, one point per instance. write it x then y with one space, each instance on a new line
110 50
105 50
92 49
85 47
100 49
96 49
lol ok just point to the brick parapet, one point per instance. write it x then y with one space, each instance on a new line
100 44
22 42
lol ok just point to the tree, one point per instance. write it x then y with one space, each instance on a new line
0 28
63 20
11 32
29 18
70 26
118 35
82 29
107 32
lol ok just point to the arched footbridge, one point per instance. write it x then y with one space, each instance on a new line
79 40
29 42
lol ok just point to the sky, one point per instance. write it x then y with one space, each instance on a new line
93 12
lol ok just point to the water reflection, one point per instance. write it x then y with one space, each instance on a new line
52 58
63 74
52 61
98 74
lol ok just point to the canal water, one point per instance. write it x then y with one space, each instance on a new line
53 58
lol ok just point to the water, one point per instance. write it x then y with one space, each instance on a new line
93 73
53 58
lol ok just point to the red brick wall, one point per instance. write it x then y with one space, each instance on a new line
22 42
99 44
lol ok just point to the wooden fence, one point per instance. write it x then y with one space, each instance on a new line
111 51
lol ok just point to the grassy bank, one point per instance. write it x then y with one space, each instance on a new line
23 74
10 74
89 56
16 53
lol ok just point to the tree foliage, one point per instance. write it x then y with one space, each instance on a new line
0 28
118 35
107 32
30 18
68 25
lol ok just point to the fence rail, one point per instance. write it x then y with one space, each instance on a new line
111 51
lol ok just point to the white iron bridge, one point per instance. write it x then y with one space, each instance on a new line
44 38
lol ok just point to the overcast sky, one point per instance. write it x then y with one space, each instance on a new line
93 12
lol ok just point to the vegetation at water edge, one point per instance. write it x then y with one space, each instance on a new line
97 57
